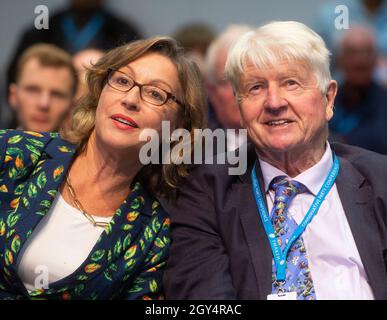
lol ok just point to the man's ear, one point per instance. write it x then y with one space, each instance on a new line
330 97
12 96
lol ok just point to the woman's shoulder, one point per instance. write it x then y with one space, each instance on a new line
19 147
14 136
17 138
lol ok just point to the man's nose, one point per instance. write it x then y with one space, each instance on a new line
44 100
275 101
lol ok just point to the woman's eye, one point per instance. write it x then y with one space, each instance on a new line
122 81
156 95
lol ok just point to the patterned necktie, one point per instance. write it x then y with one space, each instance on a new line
298 276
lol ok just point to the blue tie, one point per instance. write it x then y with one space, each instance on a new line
298 276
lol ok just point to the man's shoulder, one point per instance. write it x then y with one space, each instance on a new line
358 154
369 163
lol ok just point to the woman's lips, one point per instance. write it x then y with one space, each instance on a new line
124 122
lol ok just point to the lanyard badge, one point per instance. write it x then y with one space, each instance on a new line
280 256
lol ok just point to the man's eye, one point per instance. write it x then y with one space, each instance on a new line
291 84
255 89
59 95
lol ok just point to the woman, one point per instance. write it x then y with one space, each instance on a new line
78 215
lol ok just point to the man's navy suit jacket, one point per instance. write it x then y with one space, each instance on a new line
219 246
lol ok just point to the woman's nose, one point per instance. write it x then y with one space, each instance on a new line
132 98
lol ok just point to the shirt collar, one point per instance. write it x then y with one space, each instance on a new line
313 178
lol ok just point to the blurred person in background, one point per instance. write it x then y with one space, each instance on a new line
44 89
83 24
5 114
195 39
330 24
82 61
361 103
223 112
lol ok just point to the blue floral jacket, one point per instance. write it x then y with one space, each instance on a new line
128 258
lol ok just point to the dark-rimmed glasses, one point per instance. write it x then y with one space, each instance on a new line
149 93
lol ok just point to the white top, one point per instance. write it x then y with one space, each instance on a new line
334 261
60 243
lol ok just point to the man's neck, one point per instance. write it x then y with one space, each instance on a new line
295 162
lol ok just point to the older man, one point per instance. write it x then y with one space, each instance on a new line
308 218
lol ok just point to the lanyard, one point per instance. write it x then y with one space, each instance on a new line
80 40
278 255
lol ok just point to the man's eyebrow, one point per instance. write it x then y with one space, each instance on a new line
30 86
250 79
290 73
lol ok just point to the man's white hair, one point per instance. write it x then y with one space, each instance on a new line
222 42
278 41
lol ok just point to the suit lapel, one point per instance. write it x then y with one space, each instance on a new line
355 195
256 239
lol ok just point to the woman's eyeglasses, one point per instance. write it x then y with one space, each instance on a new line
149 93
